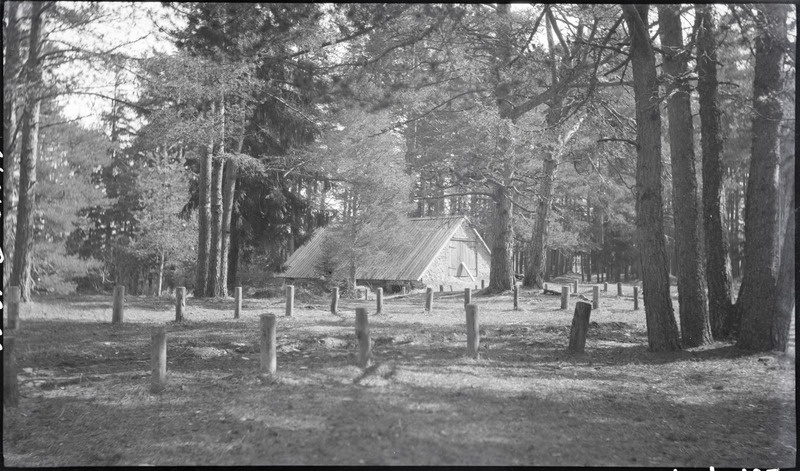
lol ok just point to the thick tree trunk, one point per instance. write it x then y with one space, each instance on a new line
203 217
501 274
215 247
228 191
695 327
23 243
534 271
11 74
718 270
662 330
757 299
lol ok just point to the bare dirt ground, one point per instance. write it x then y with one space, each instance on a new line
85 401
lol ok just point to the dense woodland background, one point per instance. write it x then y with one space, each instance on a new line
615 141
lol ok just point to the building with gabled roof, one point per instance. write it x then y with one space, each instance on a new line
445 251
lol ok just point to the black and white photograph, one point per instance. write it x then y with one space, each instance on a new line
381 234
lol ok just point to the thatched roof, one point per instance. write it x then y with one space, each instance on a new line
429 236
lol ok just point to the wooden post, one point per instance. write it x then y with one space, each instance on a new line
335 301
269 361
580 325
619 289
516 296
545 286
451 288
180 303
10 389
635 298
404 290
237 302
575 286
467 296
289 300
429 299
158 360
362 334
564 297
483 284
12 304
605 286
119 301
379 297
441 288
473 332
595 297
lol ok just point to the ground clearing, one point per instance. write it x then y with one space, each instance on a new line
85 400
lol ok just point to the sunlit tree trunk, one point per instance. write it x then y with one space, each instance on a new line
662 330
160 274
11 74
228 191
718 270
203 216
215 243
758 300
23 243
695 327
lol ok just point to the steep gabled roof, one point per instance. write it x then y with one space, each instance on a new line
429 236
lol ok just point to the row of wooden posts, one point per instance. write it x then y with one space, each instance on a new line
12 301
180 300
565 292
580 325
269 359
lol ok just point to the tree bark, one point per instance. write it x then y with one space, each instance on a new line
785 292
203 216
695 327
718 270
757 299
228 192
23 243
11 75
535 269
662 331
501 274
160 274
233 253
215 247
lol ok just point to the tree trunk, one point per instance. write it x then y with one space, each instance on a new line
534 271
662 331
11 75
757 300
215 248
501 274
23 243
203 217
228 192
160 274
695 327
233 253
718 270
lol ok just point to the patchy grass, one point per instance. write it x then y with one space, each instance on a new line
85 402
